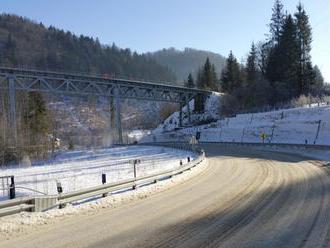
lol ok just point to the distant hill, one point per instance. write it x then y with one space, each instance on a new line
29 44
187 61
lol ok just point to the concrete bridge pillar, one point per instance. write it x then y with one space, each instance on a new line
180 115
112 125
118 116
12 111
188 111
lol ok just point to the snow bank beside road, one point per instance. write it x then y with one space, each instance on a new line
25 222
82 169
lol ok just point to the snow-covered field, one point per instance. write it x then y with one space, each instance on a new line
82 169
293 126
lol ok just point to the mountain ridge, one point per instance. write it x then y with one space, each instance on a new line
188 60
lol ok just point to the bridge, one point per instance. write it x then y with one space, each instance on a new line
15 79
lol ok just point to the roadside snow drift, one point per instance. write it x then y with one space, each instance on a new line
26 221
82 169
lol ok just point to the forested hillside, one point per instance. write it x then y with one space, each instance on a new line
42 118
29 44
187 61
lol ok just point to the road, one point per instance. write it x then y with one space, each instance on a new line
245 198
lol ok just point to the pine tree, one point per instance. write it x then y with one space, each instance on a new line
230 77
277 21
214 85
209 77
317 87
283 63
37 118
206 80
304 36
264 50
199 79
288 57
190 81
251 78
251 66
206 77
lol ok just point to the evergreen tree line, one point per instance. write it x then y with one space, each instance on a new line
276 70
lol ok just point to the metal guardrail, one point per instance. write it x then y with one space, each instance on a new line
307 146
42 203
15 206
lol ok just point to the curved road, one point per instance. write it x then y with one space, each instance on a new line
245 198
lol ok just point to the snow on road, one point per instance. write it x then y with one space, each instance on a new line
82 169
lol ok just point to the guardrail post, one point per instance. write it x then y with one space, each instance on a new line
104 181
134 186
60 191
135 162
12 189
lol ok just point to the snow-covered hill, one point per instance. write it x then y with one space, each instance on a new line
212 113
293 126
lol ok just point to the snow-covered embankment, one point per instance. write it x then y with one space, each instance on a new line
82 169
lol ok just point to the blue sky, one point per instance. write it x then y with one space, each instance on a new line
149 25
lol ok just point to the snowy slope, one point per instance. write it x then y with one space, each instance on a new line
81 169
212 107
293 126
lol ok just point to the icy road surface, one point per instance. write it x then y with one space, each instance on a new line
81 169
244 198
